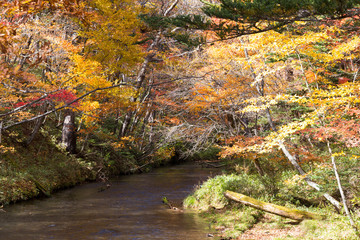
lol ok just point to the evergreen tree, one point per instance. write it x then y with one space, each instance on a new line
234 18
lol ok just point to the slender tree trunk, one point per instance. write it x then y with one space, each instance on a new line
296 165
68 140
135 122
1 124
260 89
85 141
38 123
125 124
142 73
258 167
116 123
352 223
151 120
36 129
256 125
314 185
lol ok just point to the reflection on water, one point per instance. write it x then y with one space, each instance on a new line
130 209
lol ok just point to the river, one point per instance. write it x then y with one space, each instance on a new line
130 209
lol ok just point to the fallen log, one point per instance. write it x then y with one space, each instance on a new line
213 165
271 208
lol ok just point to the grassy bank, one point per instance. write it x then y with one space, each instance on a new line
234 221
42 167
39 168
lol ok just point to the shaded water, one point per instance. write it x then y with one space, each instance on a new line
130 209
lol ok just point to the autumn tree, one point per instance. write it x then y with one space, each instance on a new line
322 67
44 66
30 52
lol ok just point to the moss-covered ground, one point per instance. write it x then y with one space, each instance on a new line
39 168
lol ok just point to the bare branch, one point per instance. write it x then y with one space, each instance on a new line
63 106
29 104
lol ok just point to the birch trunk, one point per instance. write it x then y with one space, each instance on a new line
68 140
290 157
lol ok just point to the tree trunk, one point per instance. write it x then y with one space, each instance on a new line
271 208
348 214
259 84
258 167
38 123
140 79
125 124
36 129
68 140
1 124
314 185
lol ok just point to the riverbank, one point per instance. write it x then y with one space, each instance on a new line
130 209
232 220
43 167
38 169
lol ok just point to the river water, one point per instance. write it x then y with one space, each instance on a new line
130 209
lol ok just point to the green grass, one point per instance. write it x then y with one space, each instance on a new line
230 219
211 193
335 227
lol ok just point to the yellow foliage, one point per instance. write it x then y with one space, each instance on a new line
165 152
89 110
86 72
121 143
113 32
4 149
343 51
338 154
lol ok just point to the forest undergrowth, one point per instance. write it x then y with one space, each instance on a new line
282 186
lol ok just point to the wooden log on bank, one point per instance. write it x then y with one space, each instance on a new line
271 208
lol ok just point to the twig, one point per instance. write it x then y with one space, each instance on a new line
1 124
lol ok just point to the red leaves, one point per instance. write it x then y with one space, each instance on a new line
346 131
19 104
62 96
343 80
244 141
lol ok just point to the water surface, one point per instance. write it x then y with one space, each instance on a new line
130 209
